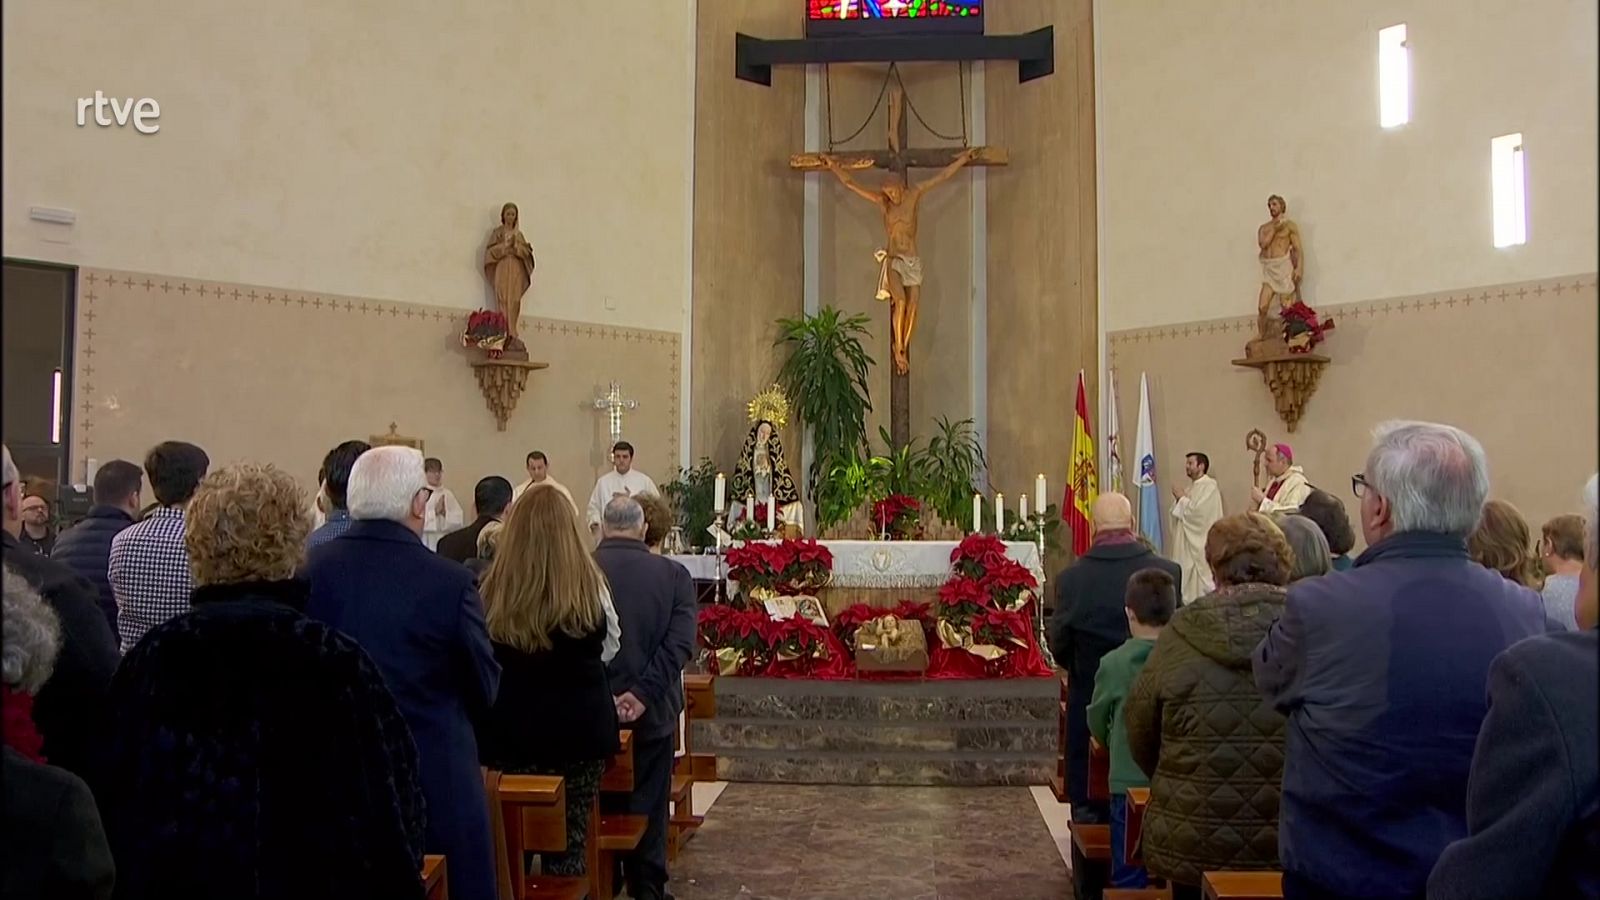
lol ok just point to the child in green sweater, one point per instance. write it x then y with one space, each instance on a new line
1149 602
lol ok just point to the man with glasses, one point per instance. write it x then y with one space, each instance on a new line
1381 671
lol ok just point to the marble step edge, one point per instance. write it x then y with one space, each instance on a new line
804 736
961 689
886 709
858 722
907 756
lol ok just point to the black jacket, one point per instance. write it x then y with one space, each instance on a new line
554 707
656 609
247 735
71 708
86 549
1533 801
55 846
1088 621
462 544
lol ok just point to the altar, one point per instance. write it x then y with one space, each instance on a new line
881 573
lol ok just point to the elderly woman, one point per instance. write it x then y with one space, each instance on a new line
55 846
1503 542
658 520
1308 544
255 752
1328 512
1195 722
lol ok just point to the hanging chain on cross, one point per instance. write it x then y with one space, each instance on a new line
892 74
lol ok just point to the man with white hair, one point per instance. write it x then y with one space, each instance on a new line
656 609
419 617
71 709
1533 801
1381 672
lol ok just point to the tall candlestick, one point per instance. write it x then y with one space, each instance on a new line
750 507
1038 494
977 513
772 505
720 501
1022 507
999 513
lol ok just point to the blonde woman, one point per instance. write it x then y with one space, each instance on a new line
553 630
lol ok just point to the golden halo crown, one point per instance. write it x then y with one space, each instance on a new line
770 405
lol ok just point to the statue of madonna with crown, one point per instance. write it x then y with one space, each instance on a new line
762 472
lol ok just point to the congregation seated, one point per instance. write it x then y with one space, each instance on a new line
553 630
1533 798
1561 552
1382 670
1307 545
55 844
251 745
1328 512
1214 751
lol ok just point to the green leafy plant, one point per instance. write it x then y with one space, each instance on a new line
950 468
851 480
825 378
691 492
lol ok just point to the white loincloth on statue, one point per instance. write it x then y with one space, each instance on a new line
1278 274
909 267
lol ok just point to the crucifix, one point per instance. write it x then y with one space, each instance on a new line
613 405
900 268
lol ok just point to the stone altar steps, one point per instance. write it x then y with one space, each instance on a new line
997 732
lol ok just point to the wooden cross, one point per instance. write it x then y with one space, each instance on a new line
900 273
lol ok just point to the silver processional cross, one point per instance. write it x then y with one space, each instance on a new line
613 405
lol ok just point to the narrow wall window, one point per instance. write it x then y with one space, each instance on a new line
1509 175
1394 77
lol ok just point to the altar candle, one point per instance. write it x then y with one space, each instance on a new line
1038 494
750 507
771 505
999 513
721 501
977 513
1022 507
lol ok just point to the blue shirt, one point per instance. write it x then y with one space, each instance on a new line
338 523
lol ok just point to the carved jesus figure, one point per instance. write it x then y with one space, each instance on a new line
1282 262
508 264
900 275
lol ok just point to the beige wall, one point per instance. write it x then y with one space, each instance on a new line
747 223
364 147
1206 108
1513 364
273 375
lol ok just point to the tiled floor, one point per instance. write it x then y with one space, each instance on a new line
897 843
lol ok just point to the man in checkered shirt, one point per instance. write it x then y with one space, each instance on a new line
149 565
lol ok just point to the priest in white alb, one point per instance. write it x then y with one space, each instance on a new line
443 513
1196 509
1288 487
622 481
538 466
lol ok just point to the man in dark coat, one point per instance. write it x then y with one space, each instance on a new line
55 845
655 602
70 710
1088 622
490 499
420 619
86 546
1381 671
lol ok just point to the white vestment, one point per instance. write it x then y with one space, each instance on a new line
1278 273
1292 491
631 484
1194 515
519 490
435 526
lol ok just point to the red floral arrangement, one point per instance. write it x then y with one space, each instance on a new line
787 568
1001 580
487 330
897 516
744 634
801 648
1302 330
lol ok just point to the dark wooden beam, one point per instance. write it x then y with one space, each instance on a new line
1034 51
916 158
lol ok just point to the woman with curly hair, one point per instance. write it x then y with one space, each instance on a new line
1197 725
1503 542
256 752
658 520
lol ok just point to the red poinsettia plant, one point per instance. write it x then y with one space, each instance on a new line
898 517
745 633
789 567
487 330
803 649
1302 329
1003 581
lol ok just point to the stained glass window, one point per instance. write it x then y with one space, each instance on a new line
893 9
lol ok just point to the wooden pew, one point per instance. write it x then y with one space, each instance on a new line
610 837
1091 843
618 776
434 881
700 702
1138 802
528 814
1058 780
1242 885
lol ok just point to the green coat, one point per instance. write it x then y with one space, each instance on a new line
1106 709
1212 746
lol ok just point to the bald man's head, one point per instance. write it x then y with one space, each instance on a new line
1111 512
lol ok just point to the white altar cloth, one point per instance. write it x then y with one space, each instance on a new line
888 564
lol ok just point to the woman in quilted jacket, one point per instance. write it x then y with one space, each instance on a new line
1198 726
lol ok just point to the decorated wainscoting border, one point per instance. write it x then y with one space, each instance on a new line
434 323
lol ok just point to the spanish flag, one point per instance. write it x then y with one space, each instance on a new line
1081 482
